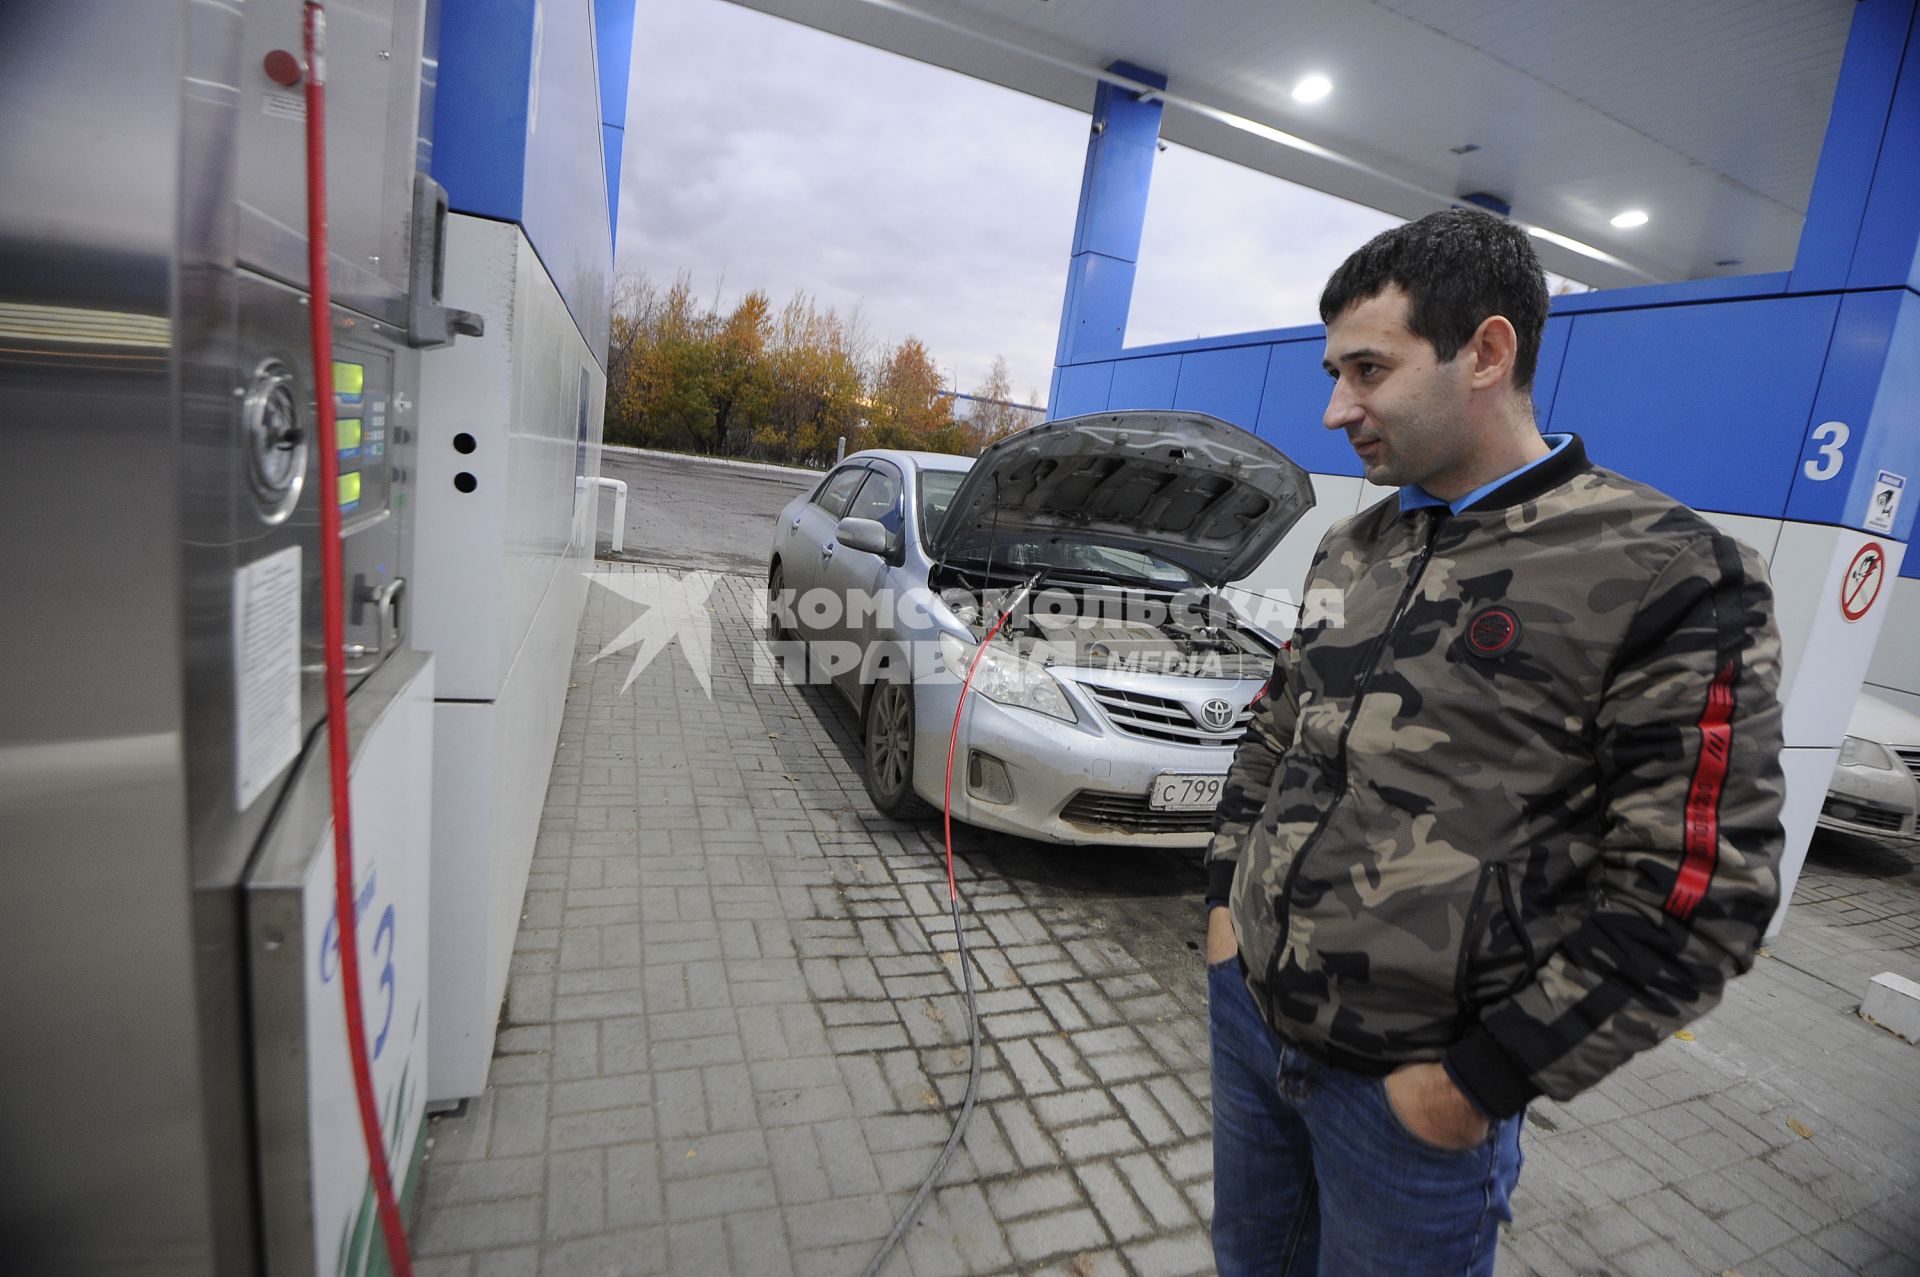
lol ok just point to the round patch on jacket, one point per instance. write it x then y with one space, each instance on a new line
1493 632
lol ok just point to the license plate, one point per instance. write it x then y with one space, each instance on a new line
1174 791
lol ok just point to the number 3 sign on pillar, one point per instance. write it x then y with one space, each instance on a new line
1832 437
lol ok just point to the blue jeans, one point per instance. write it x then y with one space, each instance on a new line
1314 1175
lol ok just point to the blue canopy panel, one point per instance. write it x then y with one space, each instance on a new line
528 117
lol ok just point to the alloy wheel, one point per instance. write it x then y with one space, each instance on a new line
889 751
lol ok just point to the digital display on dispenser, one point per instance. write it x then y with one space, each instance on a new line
362 386
349 381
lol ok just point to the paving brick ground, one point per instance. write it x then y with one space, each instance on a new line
734 1036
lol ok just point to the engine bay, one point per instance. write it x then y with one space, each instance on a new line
1169 647
1193 634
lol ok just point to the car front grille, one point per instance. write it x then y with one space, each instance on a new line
1910 755
1162 718
1859 813
1131 814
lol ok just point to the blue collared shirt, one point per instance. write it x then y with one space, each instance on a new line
1415 497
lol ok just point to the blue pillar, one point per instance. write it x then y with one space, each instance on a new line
613 33
1862 215
517 125
480 105
1886 252
1113 210
1862 240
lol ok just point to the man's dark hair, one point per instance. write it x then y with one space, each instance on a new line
1457 268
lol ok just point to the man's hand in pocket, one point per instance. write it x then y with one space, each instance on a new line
1433 1108
1221 942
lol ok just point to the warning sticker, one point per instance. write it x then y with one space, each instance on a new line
1861 585
282 106
266 671
1888 488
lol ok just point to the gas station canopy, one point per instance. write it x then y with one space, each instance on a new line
1707 117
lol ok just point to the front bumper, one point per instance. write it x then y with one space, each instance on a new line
1871 801
1073 783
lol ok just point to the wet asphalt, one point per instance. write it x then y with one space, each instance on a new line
687 512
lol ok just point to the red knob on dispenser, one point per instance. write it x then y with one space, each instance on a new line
283 68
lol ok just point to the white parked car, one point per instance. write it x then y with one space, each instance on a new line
1876 786
1108 708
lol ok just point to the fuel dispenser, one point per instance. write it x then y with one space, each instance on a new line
176 1082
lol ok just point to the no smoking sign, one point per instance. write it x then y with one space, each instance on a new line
1861 585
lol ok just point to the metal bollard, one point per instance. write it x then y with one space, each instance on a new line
619 513
840 453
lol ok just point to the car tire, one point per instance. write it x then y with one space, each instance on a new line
889 752
794 662
776 582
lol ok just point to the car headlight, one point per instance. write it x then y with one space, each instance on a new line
1856 752
1006 679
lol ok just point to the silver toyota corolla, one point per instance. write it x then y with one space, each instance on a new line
1107 707
1876 782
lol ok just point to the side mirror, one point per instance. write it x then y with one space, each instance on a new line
864 534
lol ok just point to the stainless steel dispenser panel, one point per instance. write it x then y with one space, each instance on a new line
143 475
373 106
369 382
122 1115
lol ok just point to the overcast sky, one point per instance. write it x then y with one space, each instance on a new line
762 154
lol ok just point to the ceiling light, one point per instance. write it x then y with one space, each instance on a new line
1585 250
1631 218
1312 88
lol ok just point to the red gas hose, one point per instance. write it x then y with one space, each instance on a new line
906 1216
953 741
333 638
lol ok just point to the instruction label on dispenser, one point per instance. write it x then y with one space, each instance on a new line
266 671
283 107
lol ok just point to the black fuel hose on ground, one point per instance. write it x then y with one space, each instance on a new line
907 1216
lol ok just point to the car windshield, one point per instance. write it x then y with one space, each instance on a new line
1059 554
936 494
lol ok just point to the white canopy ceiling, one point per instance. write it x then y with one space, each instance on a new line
1707 115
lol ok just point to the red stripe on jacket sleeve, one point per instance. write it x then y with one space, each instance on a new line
1702 841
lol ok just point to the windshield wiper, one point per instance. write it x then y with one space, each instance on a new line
1012 571
1119 578
1059 572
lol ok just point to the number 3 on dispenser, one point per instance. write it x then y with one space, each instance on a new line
386 977
1832 437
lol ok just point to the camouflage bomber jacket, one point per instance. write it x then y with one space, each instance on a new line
1513 800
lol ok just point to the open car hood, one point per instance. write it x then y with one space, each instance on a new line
1187 488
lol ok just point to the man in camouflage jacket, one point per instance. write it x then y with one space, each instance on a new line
1510 811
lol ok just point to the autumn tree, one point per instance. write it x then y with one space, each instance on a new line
817 387
782 386
630 338
741 378
992 414
678 371
905 407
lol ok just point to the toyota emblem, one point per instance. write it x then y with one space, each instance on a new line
1216 715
